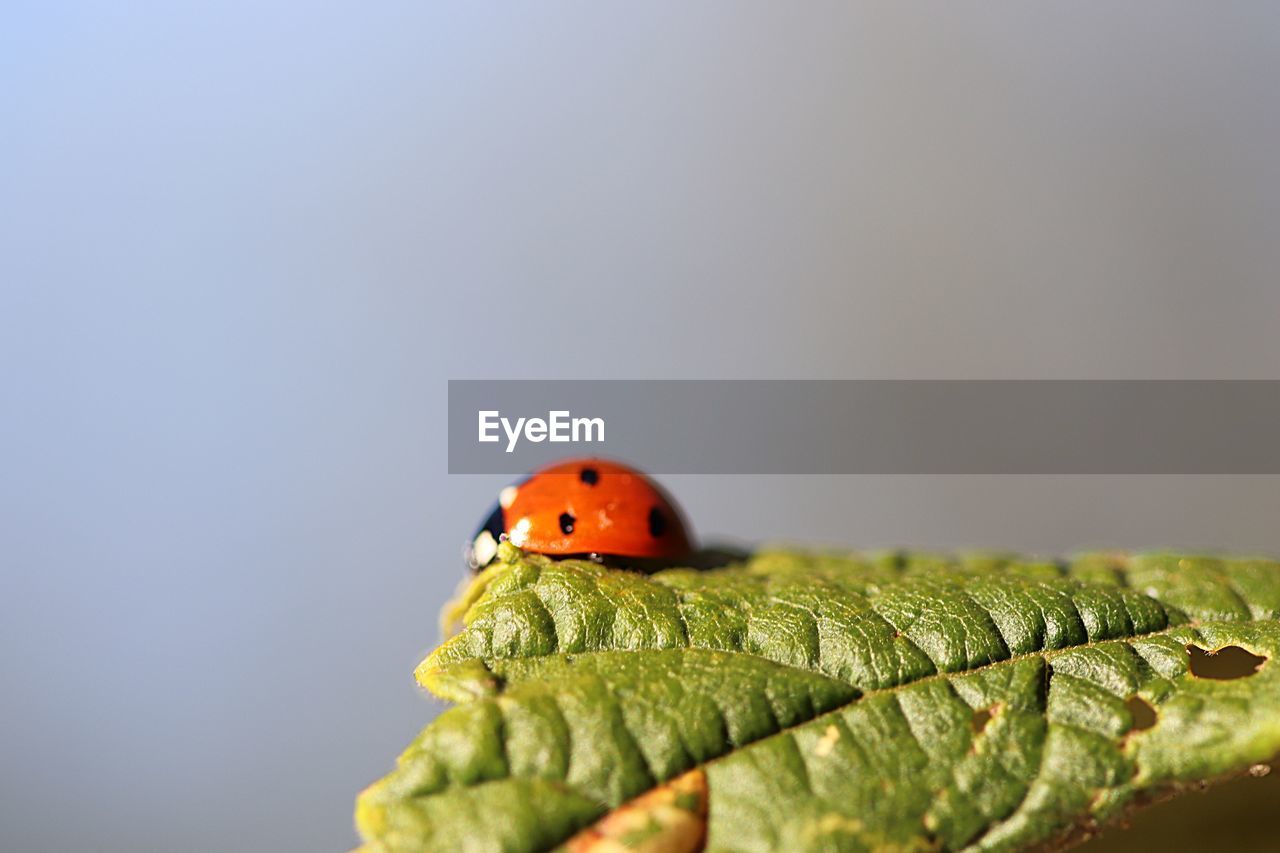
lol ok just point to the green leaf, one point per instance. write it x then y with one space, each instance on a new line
835 702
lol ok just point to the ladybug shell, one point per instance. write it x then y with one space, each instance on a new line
587 506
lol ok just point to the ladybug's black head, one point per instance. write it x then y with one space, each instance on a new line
483 547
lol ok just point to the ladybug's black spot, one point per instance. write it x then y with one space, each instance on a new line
566 523
590 476
657 522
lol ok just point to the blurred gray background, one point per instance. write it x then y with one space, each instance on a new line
243 245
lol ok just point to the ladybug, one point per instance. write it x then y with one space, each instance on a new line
584 506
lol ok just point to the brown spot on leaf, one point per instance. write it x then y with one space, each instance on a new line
1223 664
669 819
981 717
1144 716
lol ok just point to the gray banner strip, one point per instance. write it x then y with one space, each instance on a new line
870 426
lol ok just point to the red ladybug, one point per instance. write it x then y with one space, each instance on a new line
584 506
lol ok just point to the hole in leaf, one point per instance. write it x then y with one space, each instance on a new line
1224 664
1144 716
981 717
